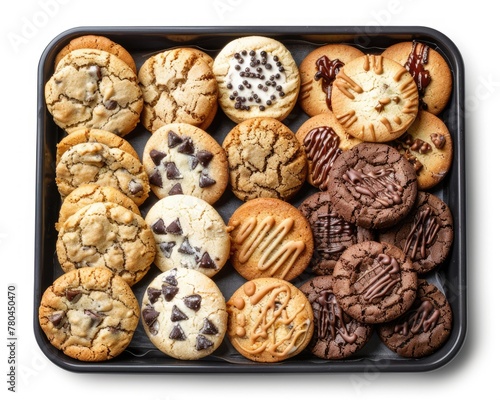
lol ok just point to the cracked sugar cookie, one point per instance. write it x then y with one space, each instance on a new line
92 88
184 314
90 314
189 233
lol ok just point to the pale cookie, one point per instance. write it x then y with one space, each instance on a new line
90 314
374 98
106 235
94 89
180 158
269 320
178 86
318 71
265 160
257 77
96 163
184 314
189 233
270 238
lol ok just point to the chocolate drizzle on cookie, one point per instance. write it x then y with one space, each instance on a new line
415 63
327 71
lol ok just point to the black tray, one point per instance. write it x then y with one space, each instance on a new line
141 42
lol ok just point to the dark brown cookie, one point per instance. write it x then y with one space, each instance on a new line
424 328
374 282
336 334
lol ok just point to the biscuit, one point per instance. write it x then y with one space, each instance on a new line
106 235
265 160
372 185
93 162
317 72
424 328
184 314
336 335
94 89
374 98
374 282
90 314
269 320
323 139
189 233
430 71
180 158
178 86
257 77
269 238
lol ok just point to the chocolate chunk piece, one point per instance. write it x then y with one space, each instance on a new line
173 139
186 147
153 294
166 248
159 227
177 333
176 189
57 318
209 328
204 157
73 295
169 291
175 227
157 156
177 315
202 343
172 171
94 316
193 301
185 247
155 179
149 315
207 262
206 181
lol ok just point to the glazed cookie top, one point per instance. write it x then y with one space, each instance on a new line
90 314
189 233
374 98
94 89
180 158
270 320
257 77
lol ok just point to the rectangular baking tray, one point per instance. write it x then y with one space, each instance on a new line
141 42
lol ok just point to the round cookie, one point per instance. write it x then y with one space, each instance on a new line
332 234
257 77
94 89
428 145
430 71
424 328
318 71
426 234
106 235
323 139
178 86
91 193
184 314
374 98
265 160
372 185
374 282
336 335
90 314
96 163
270 238
97 42
269 320
189 233
180 158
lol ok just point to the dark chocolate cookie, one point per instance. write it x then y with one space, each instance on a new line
372 185
424 328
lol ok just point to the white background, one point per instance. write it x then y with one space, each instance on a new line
28 26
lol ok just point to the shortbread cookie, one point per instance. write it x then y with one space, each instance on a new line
323 139
270 238
426 233
428 145
374 282
93 162
336 334
424 328
94 89
374 98
90 314
317 71
332 234
178 86
265 160
270 320
180 158
257 77
189 233
372 185
430 71
184 314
